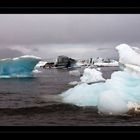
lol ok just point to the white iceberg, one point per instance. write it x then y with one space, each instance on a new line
117 95
91 75
128 55
18 67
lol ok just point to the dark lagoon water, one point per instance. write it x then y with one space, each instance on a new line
34 102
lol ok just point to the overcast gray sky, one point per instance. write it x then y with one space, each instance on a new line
74 35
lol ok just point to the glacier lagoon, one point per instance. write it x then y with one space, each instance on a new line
18 67
114 96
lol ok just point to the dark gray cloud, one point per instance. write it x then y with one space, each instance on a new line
83 35
38 29
9 53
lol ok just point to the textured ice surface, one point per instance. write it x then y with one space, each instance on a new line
18 67
91 75
118 94
110 97
128 55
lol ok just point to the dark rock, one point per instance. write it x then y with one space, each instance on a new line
65 62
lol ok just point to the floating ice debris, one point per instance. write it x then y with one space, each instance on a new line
133 105
100 62
74 72
73 83
91 75
98 69
111 64
18 67
36 71
40 64
117 95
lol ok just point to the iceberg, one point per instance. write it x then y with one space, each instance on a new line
18 67
91 75
117 95
128 55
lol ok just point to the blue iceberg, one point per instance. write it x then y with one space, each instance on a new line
18 67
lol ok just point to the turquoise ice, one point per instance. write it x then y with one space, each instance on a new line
18 67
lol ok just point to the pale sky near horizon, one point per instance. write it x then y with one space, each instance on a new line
74 35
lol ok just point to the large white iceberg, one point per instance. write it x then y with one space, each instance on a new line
117 95
18 67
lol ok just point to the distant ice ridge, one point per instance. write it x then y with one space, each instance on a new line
18 67
111 64
115 96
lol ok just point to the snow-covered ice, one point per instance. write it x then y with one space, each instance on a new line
91 75
116 95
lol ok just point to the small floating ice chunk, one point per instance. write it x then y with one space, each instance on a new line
74 72
73 83
40 64
98 69
36 71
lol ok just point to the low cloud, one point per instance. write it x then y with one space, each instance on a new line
9 53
